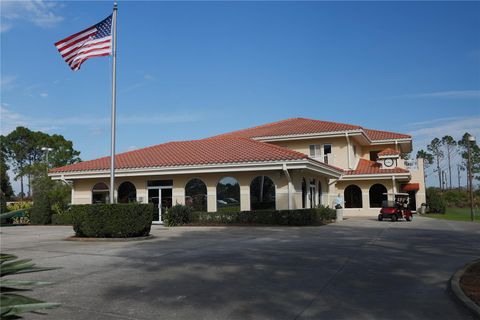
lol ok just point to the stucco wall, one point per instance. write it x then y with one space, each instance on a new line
82 188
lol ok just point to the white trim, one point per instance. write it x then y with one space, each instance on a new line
375 176
308 164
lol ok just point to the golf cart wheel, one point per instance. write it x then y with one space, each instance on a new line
410 218
380 217
394 217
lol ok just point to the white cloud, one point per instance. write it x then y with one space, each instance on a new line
463 94
11 119
44 94
7 81
41 13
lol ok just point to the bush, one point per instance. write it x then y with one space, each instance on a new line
49 197
435 200
326 214
177 215
112 220
62 219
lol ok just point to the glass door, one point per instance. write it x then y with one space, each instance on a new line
165 200
154 197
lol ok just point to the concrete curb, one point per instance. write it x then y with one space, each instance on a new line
458 292
74 238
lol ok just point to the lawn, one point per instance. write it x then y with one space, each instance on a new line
456 214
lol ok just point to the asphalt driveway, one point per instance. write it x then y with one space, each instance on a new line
356 269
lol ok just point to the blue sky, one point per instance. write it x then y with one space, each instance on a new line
189 70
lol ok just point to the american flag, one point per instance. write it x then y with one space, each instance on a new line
95 41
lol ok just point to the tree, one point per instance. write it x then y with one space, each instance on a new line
435 147
475 150
23 148
427 159
16 145
449 143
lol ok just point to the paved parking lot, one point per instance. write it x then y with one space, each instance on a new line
356 269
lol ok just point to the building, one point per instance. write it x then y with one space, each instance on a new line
289 164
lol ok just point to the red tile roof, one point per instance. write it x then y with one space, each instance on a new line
371 167
299 126
385 135
196 152
389 152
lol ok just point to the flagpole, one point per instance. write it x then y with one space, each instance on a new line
114 102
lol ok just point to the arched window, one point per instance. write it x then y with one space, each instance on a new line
319 193
228 195
376 195
262 193
196 195
100 193
312 201
304 193
127 192
353 197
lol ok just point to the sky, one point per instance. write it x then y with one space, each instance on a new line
189 70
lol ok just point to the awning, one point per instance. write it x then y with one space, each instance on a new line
411 187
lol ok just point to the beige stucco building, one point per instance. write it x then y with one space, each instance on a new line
290 164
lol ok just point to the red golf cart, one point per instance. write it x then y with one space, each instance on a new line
395 207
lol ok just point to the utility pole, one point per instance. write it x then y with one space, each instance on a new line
471 139
444 180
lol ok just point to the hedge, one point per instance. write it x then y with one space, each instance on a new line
62 219
112 220
180 215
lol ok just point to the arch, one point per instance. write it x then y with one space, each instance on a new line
127 192
376 195
353 197
100 193
262 193
196 195
228 195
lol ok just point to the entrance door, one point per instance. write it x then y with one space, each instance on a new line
161 197
154 197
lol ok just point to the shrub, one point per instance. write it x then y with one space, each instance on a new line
13 302
177 215
300 217
49 197
112 220
62 219
326 214
435 200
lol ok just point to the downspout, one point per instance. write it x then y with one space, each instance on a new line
289 179
348 151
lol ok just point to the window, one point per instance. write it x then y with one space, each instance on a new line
327 150
374 155
262 193
353 197
312 194
100 193
315 150
127 192
196 195
319 193
376 195
320 152
160 183
304 193
228 195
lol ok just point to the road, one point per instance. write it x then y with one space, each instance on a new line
355 269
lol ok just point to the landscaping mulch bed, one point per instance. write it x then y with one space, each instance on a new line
470 282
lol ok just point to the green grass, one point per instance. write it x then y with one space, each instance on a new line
456 214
